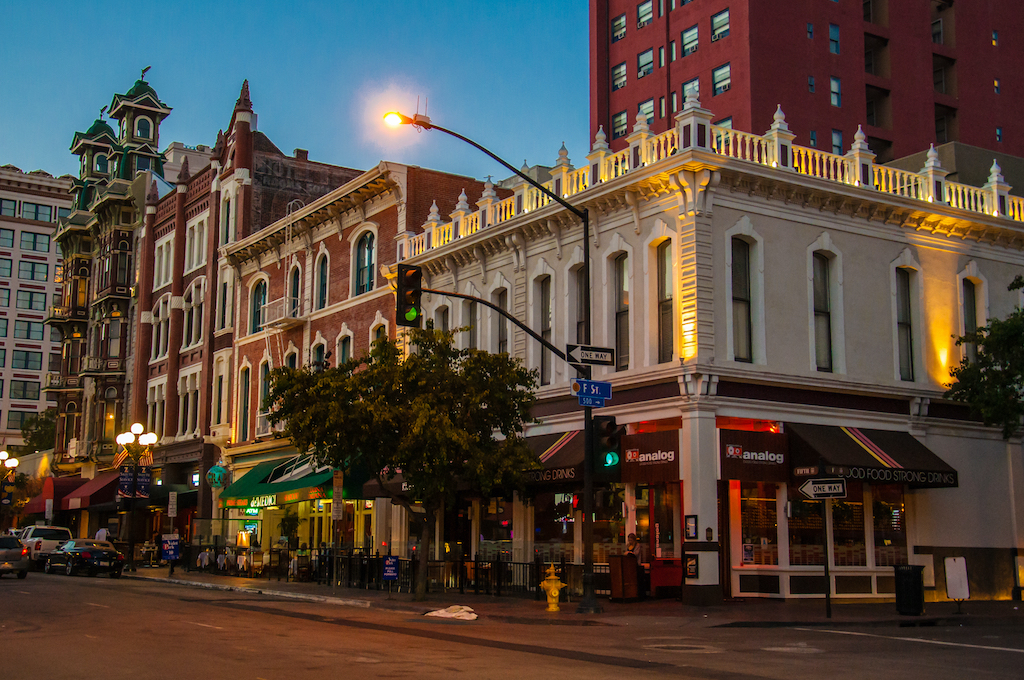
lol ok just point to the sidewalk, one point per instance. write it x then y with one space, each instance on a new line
751 612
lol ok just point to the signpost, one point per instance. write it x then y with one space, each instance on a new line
588 355
825 490
390 571
172 504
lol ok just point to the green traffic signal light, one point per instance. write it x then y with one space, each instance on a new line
611 459
607 449
408 311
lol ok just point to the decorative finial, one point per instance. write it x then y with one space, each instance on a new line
463 204
434 216
859 135
779 116
143 76
102 111
995 173
183 174
244 103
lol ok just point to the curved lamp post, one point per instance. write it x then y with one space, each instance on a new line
136 445
9 464
588 604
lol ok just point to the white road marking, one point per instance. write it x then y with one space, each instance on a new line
93 604
206 625
912 639
24 592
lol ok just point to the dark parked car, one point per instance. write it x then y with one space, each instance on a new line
13 556
86 555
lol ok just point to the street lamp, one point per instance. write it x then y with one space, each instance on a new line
9 464
588 604
135 445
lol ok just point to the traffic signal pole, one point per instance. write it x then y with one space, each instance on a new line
588 604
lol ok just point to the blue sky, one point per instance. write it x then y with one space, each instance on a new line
511 75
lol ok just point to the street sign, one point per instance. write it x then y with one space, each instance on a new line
591 388
169 546
818 489
390 568
172 503
593 402
589 355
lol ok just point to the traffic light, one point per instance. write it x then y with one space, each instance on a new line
607 449
408 311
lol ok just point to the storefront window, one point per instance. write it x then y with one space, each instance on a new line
760 523
889 515
495 530
609 523
665 521
848 528
806 530
553 522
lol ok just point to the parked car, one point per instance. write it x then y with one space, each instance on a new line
86 555
42 540
13 556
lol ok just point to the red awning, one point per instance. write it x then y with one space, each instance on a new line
100 489
55 488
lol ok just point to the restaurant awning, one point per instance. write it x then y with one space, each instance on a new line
874 456
280 481
55 488
99 489
561 457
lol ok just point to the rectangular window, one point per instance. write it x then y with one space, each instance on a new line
870 115
810 83
759 522
833 38
30 361
665 325
33 271
741 338
661 57
5 297
644 63
7 235
24 389
473 333
3 357
544 293
34 211
719 25
995 38
674 103
33 241
869 61
814 138
54 362
622 312
904 332
837 142
721 78
822 314
889 518
619 76
995 85
8 208
619 126
662 107
502 322
581 285
836 88
999 134
647 110
691 86
644 13
689 40
5 267
3 328
937 32
810 31
31 300
15 419
243 416
618 28
27 330
970 316
672 50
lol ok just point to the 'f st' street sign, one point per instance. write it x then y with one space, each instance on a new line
817 489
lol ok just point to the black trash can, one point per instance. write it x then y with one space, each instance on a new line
909 589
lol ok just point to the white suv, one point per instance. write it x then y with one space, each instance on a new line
42 540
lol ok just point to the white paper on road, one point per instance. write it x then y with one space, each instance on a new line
456 611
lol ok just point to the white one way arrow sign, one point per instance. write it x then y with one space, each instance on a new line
817 489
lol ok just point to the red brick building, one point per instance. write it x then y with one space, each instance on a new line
911 72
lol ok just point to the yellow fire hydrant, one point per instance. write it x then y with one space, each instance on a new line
551 586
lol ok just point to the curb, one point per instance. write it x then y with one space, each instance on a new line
344 602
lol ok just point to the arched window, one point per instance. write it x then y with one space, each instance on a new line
319 356
109 413
291 360
364 264
143 128
295 293
243 405
259 299
621 265
321 282
344 350
264 386
101 163
380 333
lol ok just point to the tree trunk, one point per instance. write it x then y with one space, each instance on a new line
423 565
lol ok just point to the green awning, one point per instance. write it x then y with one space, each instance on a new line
276 482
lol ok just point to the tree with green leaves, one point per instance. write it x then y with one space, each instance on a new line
446 419
39 431
992 383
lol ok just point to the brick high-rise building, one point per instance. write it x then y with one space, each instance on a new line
912 72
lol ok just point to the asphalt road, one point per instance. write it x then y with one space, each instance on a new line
59 627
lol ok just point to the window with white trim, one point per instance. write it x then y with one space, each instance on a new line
721 78
666 334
